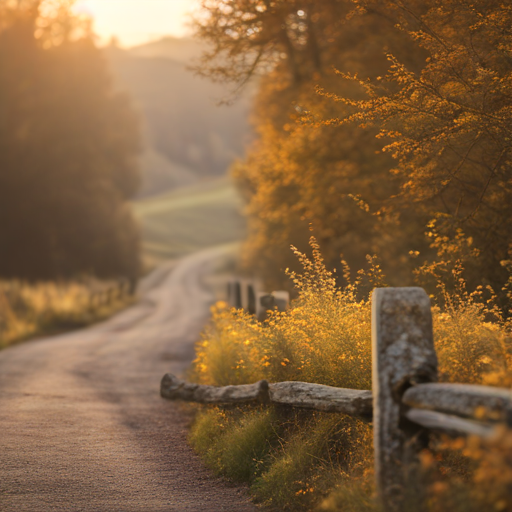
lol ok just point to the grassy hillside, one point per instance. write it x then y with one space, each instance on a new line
189 219
159 174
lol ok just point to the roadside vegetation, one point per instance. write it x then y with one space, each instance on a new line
302 460
46 308
377 122
384 126
69 144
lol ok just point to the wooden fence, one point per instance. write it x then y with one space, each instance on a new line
247 294
104 295
406 402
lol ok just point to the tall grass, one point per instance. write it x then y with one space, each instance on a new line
302 460
29 310
324 338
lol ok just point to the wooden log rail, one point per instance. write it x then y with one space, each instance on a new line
465 400
435 406
295 394
404 374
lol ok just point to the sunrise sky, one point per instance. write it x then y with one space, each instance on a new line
137 21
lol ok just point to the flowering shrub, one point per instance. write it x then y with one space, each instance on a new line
302 459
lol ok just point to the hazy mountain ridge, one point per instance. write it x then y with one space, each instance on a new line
181 49
184 125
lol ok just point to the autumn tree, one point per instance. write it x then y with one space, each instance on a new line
247 36
449 127
301 172
428 83
68 148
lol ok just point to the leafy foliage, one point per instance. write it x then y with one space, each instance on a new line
307 460
449 124
424 83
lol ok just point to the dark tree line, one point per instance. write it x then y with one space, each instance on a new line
68 152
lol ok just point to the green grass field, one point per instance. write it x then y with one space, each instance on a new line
188 219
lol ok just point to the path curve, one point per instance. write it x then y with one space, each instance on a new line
82 426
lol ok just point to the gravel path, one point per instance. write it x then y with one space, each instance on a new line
82 426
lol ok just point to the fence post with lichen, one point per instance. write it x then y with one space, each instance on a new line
403 355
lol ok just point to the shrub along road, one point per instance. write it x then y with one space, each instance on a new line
82 425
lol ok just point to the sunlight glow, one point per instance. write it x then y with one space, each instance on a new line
135 22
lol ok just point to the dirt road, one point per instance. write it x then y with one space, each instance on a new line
82 426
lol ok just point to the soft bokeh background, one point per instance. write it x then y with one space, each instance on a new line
114 156
103 94
189 140
135 22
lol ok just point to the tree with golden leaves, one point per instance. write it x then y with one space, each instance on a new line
449 125
428 83
300 172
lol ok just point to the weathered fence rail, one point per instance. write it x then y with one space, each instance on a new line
296 394
406 402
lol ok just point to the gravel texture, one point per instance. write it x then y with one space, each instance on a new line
82 425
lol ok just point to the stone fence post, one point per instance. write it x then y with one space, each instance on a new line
403 355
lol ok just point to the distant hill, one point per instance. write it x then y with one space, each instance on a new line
181 49
191 218
184 125
160 174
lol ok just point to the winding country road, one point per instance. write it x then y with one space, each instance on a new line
82 426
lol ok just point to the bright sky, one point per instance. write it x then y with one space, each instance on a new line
137 21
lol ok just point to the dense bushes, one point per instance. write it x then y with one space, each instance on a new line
304 460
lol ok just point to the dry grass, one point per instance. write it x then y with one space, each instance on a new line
306 460
327 329
30 310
